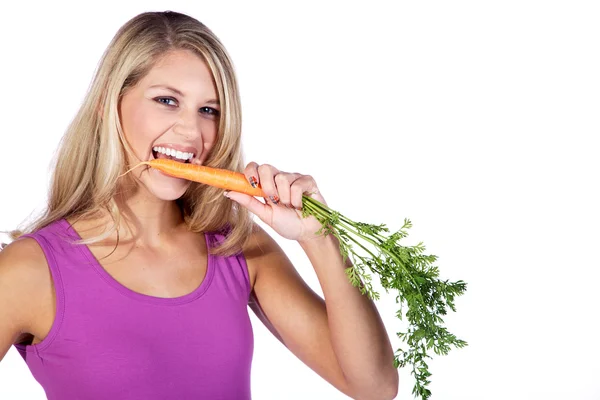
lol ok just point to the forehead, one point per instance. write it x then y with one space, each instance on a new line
182 69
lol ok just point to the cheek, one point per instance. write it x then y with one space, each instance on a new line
142 125
209 137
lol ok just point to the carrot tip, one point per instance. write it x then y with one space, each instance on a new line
132 168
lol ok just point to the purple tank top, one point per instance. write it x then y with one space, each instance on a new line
109 342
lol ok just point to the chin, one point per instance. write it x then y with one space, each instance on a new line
165 187
168 194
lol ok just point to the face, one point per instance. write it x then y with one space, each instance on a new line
173 112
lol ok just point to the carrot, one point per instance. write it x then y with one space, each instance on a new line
221 178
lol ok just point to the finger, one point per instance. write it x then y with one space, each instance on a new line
296 192
252 204
266 177
283 183
305 185
251 172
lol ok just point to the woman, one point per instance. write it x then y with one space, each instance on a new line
137 286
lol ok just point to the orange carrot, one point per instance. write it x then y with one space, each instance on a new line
221 178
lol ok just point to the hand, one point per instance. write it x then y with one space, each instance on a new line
282 209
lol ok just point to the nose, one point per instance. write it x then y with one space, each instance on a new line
188 125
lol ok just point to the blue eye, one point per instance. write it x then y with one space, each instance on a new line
209 110
165 100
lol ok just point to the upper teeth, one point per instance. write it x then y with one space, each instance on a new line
174 153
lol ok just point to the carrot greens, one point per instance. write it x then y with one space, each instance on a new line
422 295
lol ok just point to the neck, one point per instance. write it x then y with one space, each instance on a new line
148 221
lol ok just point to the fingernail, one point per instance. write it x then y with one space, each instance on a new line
274 199
253 181
226 193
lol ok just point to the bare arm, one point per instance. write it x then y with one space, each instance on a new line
342 339
23 278
358 335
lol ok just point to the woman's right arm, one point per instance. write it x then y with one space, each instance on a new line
21 283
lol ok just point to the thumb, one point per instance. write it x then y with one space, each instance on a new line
251 203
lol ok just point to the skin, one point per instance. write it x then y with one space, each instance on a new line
342 339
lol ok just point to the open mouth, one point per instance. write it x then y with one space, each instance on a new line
171 154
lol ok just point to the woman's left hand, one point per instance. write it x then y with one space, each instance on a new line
282 209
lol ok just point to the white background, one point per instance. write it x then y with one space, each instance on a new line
474 119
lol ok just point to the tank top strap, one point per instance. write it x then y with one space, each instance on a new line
56 242
231 272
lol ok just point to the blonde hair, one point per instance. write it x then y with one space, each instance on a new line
91 155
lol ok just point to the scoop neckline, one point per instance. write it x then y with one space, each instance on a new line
167 301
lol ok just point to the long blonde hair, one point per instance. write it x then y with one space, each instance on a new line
91 155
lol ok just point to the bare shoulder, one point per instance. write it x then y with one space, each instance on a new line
25 283
260 243
23 263
261 251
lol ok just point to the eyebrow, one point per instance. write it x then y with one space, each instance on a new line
176 91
